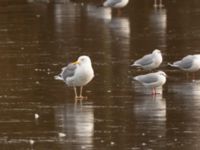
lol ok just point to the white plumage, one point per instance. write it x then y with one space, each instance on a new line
115 3
77 74
190 63
152 80
36 116
149 61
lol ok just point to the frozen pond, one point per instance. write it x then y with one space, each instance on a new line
37 39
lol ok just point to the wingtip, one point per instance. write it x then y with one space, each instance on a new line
135 65
135 78
58 77
169 64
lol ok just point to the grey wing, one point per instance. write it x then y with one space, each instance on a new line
68 71
146 60
149 79
113 2
145 79
186 62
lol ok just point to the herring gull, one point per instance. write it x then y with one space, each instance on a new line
77 74
116 4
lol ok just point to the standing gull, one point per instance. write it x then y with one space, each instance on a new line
152 80
116 4
189 63
149 61
77 74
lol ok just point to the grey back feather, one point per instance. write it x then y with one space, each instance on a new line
186 62
113 2
150 78
68 71
146 60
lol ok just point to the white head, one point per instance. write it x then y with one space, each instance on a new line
156 51
162 73
83 60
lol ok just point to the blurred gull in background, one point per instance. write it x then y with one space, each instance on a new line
116 4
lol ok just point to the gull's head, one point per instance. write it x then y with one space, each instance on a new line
83 60
162 73
156 51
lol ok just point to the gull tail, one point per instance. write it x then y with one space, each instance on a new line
58 77
135 65
173 65
135 78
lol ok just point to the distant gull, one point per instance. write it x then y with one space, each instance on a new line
116 4
189 63
152 80
60 134
36 116
149 61
77 74
31 141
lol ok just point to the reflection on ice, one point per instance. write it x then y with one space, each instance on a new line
150 119
138 88
158 19
60 12
186 88
99 13
77 122
151 107
183 114
158 25
121 26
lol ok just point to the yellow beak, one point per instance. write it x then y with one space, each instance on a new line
76 62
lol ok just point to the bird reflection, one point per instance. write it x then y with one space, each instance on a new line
158 25
158 4
184 119
61 12
99 13
186 88
121 26
150 117
158 19
77 122
138 88
150 107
